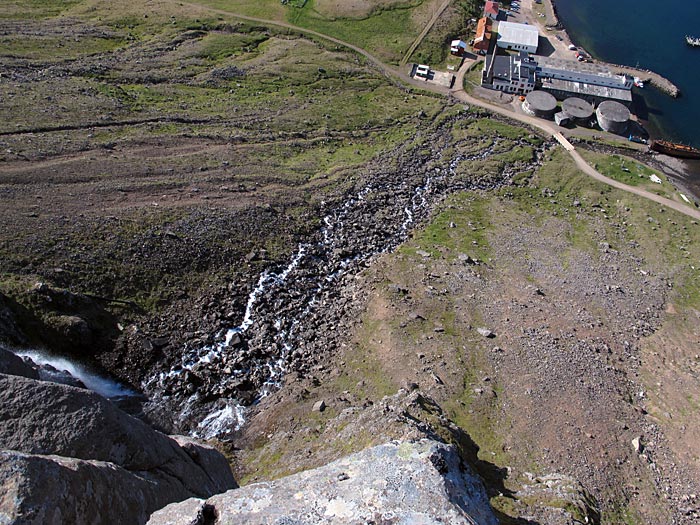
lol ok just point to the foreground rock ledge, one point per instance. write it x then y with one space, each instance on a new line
69 456
423 482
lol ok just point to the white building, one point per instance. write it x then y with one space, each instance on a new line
518 37
458 47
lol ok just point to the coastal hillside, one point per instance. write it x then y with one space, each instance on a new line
241 247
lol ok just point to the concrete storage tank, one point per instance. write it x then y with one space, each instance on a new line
613 117
540 104
578 109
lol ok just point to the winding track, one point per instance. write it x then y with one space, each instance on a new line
458 93
427 28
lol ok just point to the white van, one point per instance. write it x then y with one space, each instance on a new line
423 71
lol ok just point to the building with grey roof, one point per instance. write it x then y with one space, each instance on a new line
593 93
518 37
574 70
510 74
592 82
562 78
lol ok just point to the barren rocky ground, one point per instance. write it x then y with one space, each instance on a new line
569 297
286 254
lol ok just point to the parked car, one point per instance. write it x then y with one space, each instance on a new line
423 71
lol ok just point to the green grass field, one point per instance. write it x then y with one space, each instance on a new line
632 172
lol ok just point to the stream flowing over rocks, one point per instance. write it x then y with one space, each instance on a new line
294 314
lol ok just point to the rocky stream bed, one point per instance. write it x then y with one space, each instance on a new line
295 313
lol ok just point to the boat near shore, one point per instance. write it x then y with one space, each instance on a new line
674 149
637 139
692 41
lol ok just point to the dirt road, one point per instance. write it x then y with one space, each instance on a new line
458 93
427 28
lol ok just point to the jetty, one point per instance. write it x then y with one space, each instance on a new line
658 81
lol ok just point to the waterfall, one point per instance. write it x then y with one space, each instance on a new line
102 385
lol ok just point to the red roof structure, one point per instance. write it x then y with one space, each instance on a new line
483 34
491 9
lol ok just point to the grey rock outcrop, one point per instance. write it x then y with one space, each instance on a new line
422 482
71 456
40 489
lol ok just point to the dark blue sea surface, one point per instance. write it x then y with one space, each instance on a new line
649 34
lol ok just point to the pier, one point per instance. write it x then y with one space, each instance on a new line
659 82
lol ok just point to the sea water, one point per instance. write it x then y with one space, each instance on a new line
651 35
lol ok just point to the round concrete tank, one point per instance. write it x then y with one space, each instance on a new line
613 117
540 104
580 110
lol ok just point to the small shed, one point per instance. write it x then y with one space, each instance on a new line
422 71
562 118
458 47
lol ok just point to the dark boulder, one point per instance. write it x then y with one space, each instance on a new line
10 330
14 365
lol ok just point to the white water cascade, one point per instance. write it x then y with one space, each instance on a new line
102 385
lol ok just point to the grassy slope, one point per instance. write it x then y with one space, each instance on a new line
287 87
387 31
669 241
316 111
